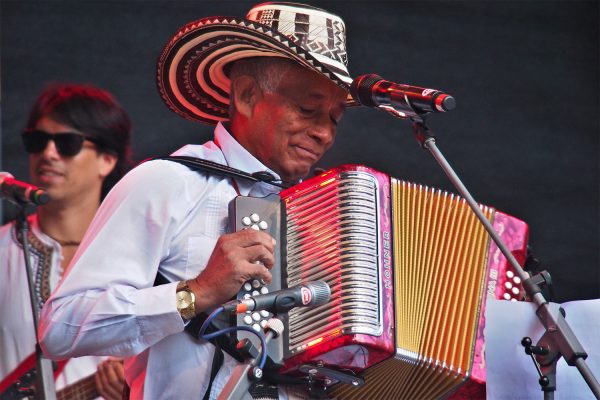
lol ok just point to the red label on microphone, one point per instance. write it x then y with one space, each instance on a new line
306 295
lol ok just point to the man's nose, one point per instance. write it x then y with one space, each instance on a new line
50 152
324 129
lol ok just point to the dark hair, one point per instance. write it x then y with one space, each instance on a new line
92 111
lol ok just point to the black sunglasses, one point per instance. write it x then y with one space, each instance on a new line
67 144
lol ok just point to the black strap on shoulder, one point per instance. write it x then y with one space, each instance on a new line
220 169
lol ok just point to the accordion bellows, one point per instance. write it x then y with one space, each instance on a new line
409 269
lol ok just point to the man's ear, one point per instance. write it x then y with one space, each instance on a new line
106 163
246 93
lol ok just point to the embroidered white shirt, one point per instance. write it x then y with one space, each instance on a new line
17 336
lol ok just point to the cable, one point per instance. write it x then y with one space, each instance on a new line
217 311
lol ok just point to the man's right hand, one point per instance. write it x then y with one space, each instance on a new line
236 258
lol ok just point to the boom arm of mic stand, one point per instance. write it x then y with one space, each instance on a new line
558 333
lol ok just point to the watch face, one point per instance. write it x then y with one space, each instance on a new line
184 299
185 304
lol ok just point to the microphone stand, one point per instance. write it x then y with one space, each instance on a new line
558 340
44 385
246 373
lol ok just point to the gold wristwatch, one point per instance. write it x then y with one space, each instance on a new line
186 301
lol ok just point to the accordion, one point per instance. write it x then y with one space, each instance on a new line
409 267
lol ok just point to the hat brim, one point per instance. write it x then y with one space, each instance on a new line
192 76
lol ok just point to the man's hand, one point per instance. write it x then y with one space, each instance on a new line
110 379
236 258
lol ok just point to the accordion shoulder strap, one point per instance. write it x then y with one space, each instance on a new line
201 164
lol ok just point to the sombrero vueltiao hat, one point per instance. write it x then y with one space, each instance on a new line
192 75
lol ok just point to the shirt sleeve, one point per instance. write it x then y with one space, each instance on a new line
106 303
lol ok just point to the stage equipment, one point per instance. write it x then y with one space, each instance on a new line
21 192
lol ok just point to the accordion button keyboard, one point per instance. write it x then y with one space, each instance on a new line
263 215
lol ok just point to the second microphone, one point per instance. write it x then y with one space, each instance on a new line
309 294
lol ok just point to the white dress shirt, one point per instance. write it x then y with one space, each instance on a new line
17 336
165 217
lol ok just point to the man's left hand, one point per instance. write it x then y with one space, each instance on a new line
110 379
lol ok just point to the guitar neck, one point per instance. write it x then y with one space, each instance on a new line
84 389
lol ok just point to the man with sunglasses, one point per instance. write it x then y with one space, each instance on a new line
78 139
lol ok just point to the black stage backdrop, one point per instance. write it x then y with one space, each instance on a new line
524 135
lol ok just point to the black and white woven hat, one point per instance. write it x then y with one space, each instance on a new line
192 75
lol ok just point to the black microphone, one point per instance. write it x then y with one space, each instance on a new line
404 100
309 294
21 192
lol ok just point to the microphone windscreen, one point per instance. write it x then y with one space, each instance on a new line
5 175
361 89
321 292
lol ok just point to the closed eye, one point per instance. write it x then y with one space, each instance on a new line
306 111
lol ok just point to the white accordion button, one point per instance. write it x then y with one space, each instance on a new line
254 217
264 313
510 274
256 327
263 225
506 296
516 280
247 319
246 221
247 286
256 316
264 290
255 284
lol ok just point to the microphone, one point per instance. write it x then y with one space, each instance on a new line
371 90
21 192
309 294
